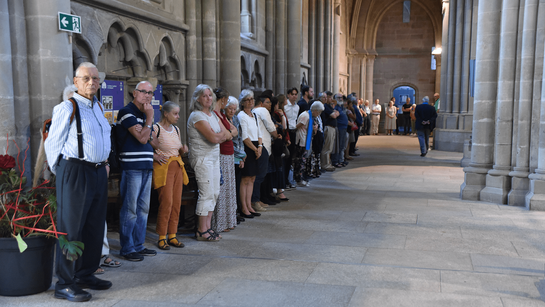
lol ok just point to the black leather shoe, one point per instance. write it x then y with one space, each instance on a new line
73 294
134 256
247 216
255 213
93 283
147 252
269 201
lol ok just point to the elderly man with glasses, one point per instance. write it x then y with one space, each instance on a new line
77 152
136 156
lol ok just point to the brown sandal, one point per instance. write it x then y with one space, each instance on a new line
175 242
162 244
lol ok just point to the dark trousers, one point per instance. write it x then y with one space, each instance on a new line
424 139
262 169
406 123
289 160
82 195
367 125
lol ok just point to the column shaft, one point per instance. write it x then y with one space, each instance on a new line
230 46
444 59
269 62
451 55
369 78
327 46
209 47
320 35
464 88
294 43
312 43
486 76
363 72
520 182
458 47
7 125
280 35
48 51
336 46
191 49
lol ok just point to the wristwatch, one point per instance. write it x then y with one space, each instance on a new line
149 126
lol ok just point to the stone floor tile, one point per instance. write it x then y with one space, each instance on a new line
490 247
311 252
402 218
240 292
413 230
368 276
485 284
418 259
357 239
521 302
508 265
365 297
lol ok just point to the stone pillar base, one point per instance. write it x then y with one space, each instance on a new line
472 186
535 198
496 190
450 139
467 153
519 189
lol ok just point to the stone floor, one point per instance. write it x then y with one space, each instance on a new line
388 230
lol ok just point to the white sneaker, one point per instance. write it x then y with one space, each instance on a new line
302 183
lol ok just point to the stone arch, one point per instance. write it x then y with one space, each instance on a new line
257 79
82 51
166 64
373 12
409 84
125 53
244 75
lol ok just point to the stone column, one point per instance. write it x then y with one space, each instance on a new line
363 72
280 83
191 50
209 47
245 17
336 45
320 18
312 44
49 50
21 104
486 76
294 43
230 47
269 60
444 59
520 182
458 46
464 89
369 78
535 199
451 57
327 46
7 105
437 73
498 182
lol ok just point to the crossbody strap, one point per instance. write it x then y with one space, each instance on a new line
78 128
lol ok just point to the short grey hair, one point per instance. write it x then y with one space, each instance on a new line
232 101
195 105
167 107
426 99
352 99
244 95
142 82
84 64
69 92
317 106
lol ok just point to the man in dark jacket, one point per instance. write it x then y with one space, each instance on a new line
425 123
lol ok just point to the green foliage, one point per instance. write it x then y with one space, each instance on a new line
71 249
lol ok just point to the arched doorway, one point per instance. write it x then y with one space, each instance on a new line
401 93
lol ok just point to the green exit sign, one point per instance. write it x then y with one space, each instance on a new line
70 23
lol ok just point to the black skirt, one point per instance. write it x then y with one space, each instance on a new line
250 164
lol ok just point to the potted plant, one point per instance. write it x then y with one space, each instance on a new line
28 231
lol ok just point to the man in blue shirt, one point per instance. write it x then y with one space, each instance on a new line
307 94
136 156
81 168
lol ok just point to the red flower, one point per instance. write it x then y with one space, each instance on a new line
7 162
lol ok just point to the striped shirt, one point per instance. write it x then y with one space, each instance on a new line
169 141
62 139
133 154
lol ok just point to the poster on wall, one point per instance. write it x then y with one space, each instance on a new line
112 98
157 102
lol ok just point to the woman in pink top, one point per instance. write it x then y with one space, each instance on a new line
169 174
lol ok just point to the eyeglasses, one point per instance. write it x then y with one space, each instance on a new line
145 92
248 99
87 78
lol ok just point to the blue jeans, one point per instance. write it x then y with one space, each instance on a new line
423 139
338 157
135 190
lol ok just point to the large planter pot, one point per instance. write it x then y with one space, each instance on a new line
29 272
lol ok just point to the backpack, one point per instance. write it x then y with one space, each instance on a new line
115 147
159 130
